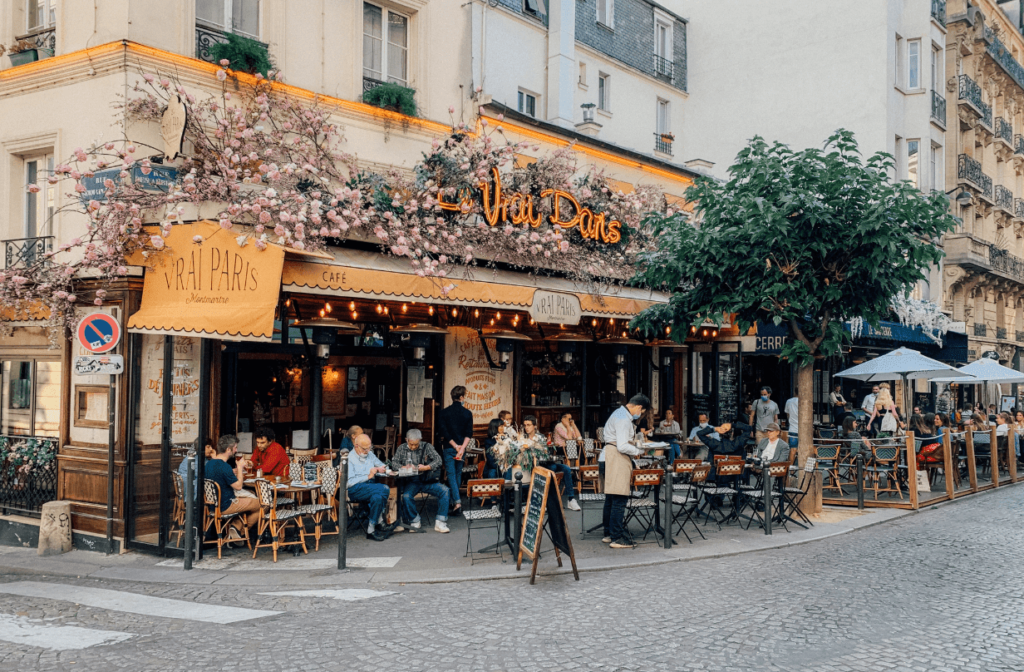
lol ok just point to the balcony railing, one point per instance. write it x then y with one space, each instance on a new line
1004 131
23 252
970 170
1018 144
206 38
28 473
970 92
42 39
664 68
939 11
938 107
1005 60
1006 263
369 83
980 329
1004 198
1001 333
662 144
1018 208
986 116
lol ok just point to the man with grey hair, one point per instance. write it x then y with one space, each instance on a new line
363 467
419 465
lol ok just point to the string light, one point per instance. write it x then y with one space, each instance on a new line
668 330
322 312
355 315
288 303
593 322
380 309
625 334
385 310
714 333
704 333
405 308
476 312
352 305
611 321
498 316
693 330
430 310
328 307
492 321
531 320
455 312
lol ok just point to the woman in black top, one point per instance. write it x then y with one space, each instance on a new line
494 428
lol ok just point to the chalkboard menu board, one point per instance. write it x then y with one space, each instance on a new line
728 387
700 403
544 508
309 471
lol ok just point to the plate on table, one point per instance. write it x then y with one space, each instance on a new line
653 445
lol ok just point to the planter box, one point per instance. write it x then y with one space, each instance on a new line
29 56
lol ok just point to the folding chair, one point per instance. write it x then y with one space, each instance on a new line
792 497
643 503
689 500
724 469
484 488
216 519
754 498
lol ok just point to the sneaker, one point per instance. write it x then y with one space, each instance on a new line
607 540
415 527
621 544
574 505
376 535
441 527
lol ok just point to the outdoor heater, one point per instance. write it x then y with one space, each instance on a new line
505 344
417 336
567 343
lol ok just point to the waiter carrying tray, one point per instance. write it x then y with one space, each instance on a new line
616 455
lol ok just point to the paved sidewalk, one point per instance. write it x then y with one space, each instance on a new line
426 557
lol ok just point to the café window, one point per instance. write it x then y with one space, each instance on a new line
385 45
30 397
234 16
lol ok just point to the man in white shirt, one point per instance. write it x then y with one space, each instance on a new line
793 420
702 422
868 406
616 454
838 402
772 449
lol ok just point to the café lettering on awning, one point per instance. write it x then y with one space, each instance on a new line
212 288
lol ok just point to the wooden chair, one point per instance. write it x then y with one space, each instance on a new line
481 517
324 504
590 478
303 456
473 464
275 521
389 445
644 500
218 520
690 499
178 512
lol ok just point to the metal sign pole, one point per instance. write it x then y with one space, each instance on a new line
766 479
342 509
111 439
190 475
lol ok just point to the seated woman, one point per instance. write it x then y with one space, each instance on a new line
539 442
348 442
981 429
495 428
566 430
927 439
1003 421
857 444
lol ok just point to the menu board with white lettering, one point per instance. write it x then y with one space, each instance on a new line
335 391
184 390
728 387
487 390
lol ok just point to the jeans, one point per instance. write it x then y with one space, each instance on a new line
453 468
566 472
794 441
674 452
376 497
614 513
409 512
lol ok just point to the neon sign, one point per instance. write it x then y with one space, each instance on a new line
518 209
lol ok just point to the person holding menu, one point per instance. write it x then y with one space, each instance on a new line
616 453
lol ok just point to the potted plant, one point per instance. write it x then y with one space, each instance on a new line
24 51
667 137
394 97
242 54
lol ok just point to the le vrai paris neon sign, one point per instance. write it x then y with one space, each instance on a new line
517 209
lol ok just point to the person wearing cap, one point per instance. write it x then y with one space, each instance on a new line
772 448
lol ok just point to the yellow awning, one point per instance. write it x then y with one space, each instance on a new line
214 288
33 311
612 306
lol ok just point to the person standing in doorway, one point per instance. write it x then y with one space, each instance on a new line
793 419
838 402
765 411
455 424
616 454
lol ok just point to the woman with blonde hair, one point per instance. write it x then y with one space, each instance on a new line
885 408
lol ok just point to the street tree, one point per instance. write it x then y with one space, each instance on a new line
807 239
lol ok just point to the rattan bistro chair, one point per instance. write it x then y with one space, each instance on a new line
218 520
275 521
491 488
883 466
643 503
325 505
590 477
178 512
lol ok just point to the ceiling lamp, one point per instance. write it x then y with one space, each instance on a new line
327 323
419 328
569 337
506 335
619 340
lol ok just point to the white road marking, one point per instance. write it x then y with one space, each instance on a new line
285 563
20 630
132 603
344 594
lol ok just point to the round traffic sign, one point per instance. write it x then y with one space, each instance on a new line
99 333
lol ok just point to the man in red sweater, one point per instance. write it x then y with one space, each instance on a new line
269 455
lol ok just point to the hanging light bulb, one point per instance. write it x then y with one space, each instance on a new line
593 322
405 308
327 306
380 309
355 315
322 312
668 330
498 316
704 333
625 334
385 310
476 312
492 321
351 305
693 330
430 310
611 321
531 320
455 312
714 333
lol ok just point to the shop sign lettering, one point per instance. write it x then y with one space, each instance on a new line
555 308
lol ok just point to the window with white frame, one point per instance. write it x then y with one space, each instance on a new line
235 16
913 155
40 14
527 103
663 39
937 68
385 45
534 7
936 167
604 92
664 120
39 205
914 64
606 12
899 63
583 73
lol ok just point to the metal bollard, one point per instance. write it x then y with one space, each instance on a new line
190 506
766 482
860 481
342 509
517 515
666 522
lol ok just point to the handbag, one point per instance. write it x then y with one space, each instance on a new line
922 481
889 423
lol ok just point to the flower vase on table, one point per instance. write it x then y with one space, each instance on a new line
515 451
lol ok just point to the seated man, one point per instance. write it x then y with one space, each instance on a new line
732 441
209 451
230 482
268 454
669 426
415 453
363 466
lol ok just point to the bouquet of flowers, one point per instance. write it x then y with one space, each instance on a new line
22 455
514 449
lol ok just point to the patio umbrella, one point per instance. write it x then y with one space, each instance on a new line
986 370
903 364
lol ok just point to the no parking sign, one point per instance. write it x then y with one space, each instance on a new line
99 333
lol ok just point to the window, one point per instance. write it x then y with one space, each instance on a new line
583 74
664 117
936 69
40 205
385 60
30 397
534 7
236 16
663 39
898 74
914 64
913 149
528 103
606 12
40 14
898 154
603 92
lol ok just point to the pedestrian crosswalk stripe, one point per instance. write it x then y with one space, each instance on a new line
285 564
344 594
21 630
133 603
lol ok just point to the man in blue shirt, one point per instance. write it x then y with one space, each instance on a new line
455 425
230 481
183 467
363 467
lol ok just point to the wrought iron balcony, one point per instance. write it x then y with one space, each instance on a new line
970 170
1018 144
42 39
1005 60
1004 131
663 144
939 107
986 116
1020 336
980 329
1004 198
971 92
664 68
1018 208
206 38
24 252
1006 263
1001 333
369 83
939 11
25 489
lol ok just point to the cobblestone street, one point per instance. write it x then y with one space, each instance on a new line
933 591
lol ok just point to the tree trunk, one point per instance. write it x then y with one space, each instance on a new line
805 389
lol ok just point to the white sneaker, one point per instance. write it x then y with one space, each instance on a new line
574 505
441 527
607 540
415 526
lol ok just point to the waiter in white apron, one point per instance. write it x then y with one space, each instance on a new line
618 467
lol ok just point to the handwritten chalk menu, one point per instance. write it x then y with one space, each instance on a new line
728 387
487 390
184 390
335 390
544 509
700 403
